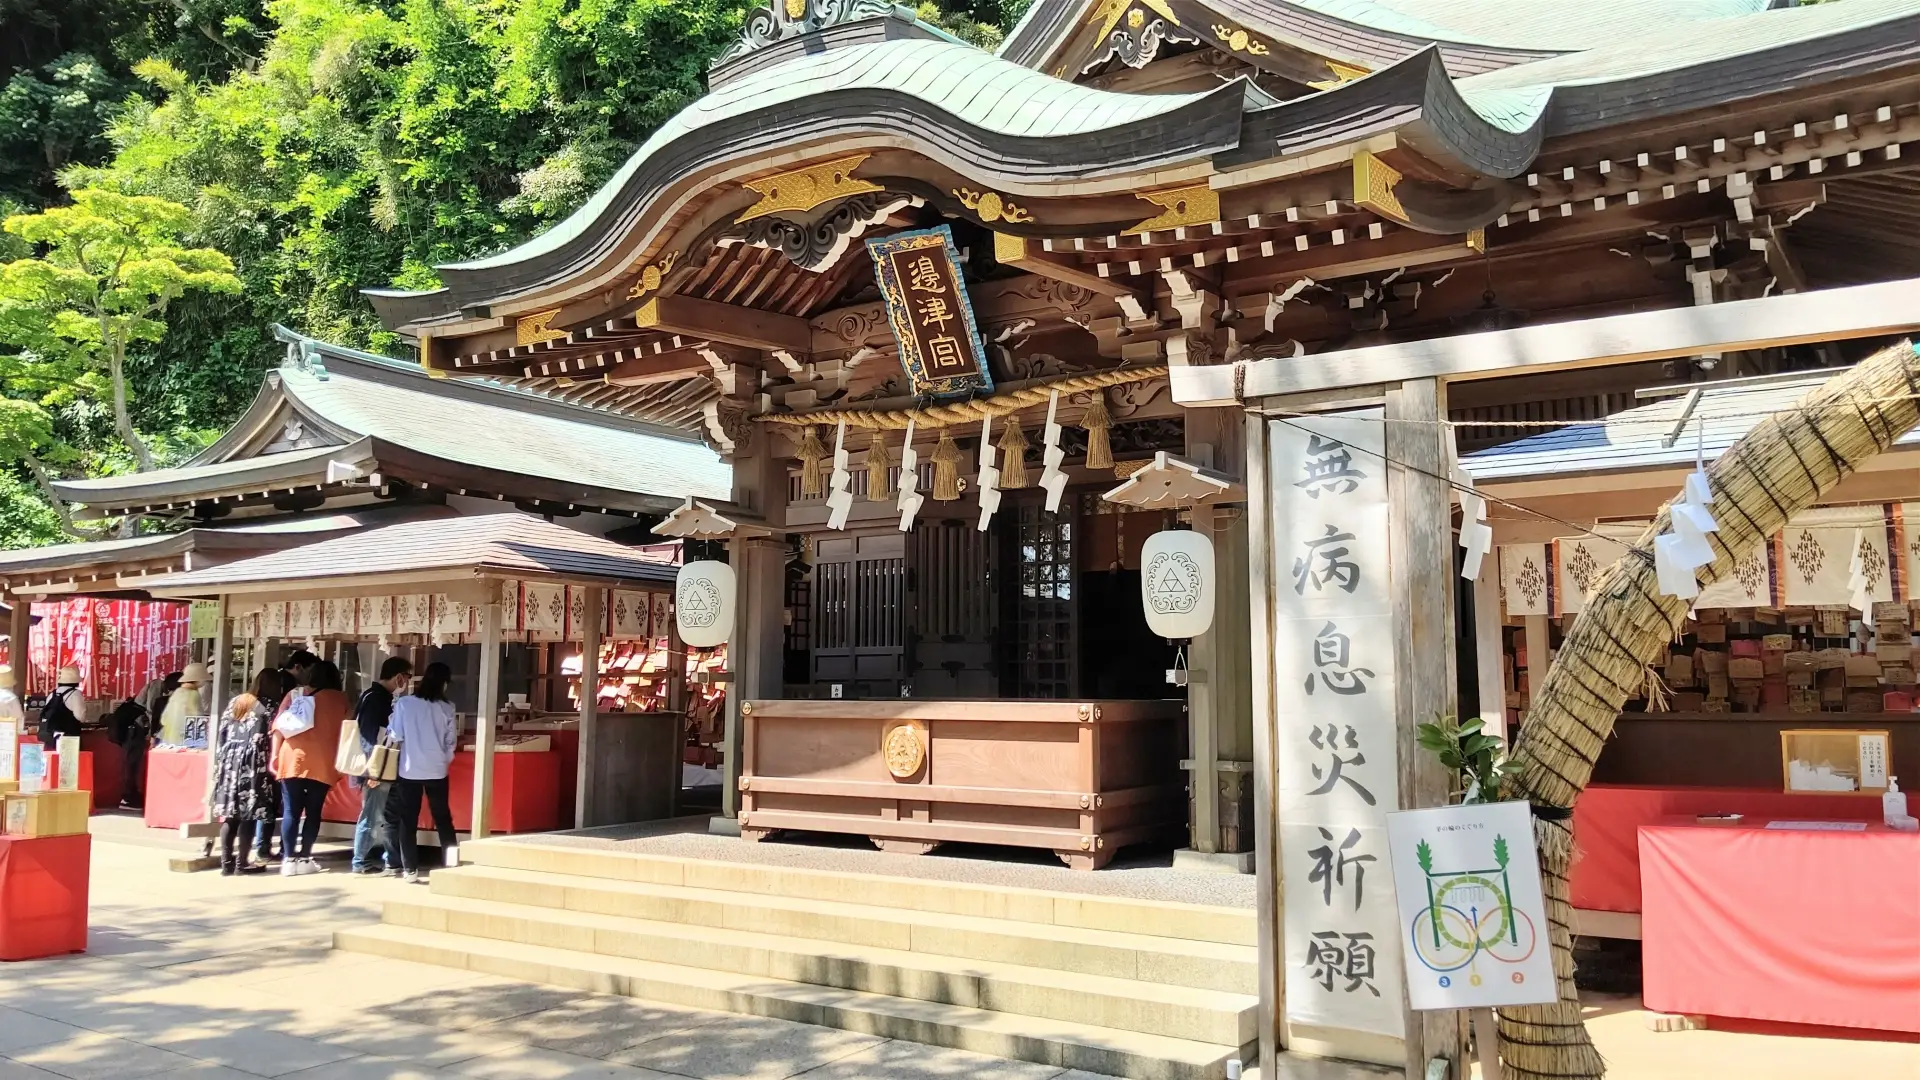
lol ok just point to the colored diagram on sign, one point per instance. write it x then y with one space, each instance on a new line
1469 927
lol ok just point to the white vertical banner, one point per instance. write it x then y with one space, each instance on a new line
1335 749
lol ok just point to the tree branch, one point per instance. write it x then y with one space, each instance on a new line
60 508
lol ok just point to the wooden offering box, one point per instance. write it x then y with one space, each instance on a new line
1081 778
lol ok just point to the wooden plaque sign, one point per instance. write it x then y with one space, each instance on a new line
919 277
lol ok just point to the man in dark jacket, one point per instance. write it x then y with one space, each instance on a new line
371 716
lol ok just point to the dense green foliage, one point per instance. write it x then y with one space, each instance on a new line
323 146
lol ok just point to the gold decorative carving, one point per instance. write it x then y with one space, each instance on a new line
1342 74
992 206
535 328
1197 204
1373 184
905 750
1477 240
1136 19
803 189
1008 249
1239 40
652 275
796 9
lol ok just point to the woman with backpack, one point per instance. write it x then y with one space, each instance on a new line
65 710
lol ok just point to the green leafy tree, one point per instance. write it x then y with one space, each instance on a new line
109 265
1476 759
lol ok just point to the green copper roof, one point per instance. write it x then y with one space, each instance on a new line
1655 50
974 86
1550 25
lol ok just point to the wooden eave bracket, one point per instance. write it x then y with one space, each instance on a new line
1023 253
700 519
1170 481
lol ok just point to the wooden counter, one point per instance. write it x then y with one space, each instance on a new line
1080 778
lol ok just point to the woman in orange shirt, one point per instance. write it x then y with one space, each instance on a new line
306 735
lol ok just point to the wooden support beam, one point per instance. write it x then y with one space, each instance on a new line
586 787
1025 254
664 368
1883 308
710 321
1419 524
486 713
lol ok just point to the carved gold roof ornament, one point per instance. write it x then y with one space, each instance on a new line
803 189
652 275
1196 204
536 328
1373 186
1477 240
991 206
1341 75
1133 30
1239 40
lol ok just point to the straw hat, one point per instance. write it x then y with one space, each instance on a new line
69 674
194 675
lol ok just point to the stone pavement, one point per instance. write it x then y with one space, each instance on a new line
199 977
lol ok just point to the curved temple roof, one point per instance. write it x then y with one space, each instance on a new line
1475 85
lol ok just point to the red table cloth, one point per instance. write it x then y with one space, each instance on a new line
1607 820
176 788
43 895
526 794
1796 927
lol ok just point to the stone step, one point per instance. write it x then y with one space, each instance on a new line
1154 1008
1199 965
1059 1043
1155 918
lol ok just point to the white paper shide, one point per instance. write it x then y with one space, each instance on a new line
1335 752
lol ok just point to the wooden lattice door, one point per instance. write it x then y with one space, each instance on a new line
1043 663
859 614
954 607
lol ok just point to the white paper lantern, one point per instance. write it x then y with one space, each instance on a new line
703 605
1177 582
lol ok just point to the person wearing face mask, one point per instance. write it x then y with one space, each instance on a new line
371 716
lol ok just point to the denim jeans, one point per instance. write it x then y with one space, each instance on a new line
300 803
366 832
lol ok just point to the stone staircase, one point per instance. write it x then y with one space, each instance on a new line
1132 988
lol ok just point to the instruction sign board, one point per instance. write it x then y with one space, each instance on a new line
1472 916
9 746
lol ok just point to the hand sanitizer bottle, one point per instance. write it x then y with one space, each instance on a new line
1893 802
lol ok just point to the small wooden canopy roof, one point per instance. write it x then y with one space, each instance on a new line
465 548
1170 481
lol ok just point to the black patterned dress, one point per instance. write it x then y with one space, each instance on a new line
243 788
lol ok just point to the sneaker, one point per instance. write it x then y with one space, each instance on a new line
226 870
289 868
394 871
362 871
252 868
309 866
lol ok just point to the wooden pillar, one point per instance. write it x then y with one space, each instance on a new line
592 609
1539 653
484 713
1266 826
677 705
18 628
220 667
1420 535
1489 647
755 651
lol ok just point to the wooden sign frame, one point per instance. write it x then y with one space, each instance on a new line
1788 737
930 313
